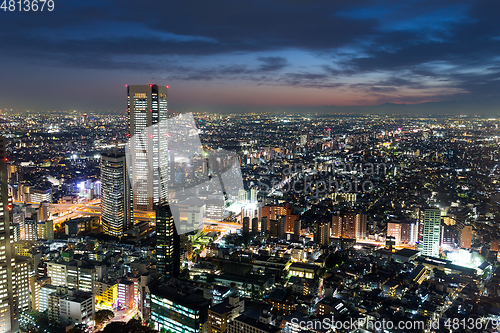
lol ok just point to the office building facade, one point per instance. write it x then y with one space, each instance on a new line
147 107
8 312
115 199
167 243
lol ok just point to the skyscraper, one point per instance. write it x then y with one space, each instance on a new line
432 232
8 313
167 243
322 233
115 200
147 111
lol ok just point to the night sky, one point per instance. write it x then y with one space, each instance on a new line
253 55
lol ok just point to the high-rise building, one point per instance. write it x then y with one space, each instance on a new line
360 226
148 114
8 313
167 243
290 223
432 232
277 227
336 226
466 237
348 225
246 225
255 226
322 233
115 200
264 225
296 230
21 285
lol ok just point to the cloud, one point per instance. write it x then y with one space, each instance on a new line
272 63
395 50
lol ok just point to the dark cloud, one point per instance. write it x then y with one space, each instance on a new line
272 63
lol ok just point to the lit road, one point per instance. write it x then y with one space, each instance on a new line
64 211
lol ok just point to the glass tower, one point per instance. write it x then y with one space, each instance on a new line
115 201
148 114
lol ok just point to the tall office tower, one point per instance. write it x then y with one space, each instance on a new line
8 313
115 200
147 106
432 232
466 237
360 226
167 243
